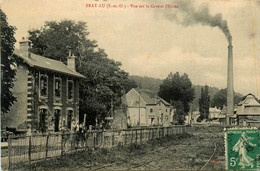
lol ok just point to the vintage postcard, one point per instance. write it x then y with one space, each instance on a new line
130 84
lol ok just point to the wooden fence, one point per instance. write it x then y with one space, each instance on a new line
23 149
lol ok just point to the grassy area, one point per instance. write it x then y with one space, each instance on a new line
183 151
90 158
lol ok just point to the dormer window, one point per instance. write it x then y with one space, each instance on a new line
57 88
70 89
44 85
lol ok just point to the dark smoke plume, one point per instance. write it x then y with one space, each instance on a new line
187 15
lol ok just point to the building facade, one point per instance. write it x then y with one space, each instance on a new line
214 112
248 111
146 109
47 93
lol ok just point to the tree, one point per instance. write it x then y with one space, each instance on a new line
220 99
105 81
204 103
179 114
130 84
7 64
177 88
54 38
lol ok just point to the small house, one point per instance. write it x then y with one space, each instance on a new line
214 112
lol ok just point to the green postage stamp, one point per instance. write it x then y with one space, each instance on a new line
242 149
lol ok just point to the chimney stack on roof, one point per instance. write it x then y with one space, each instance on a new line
71 61
25 44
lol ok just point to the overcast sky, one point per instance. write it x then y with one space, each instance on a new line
154 42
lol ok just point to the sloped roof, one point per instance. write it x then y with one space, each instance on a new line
150 98
244 99
165 102
47 63
250 105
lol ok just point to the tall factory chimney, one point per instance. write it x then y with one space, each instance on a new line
230 88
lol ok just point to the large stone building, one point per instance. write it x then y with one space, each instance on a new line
47 93
146 109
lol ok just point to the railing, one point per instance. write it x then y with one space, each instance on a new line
23 149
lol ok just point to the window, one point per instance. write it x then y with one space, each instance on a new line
166 110
69 118
44 85
57 88
70 89
151 110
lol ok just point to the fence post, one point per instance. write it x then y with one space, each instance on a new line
61 147
46 147
9 151
125 137
30 149
163 131
148 133
136 136
113 139
94 140
103 139
97 138
145 135
131 136
141 136
71 143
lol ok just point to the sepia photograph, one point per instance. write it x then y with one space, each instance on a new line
130 84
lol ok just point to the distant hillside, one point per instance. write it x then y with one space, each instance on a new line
153 85
147 83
